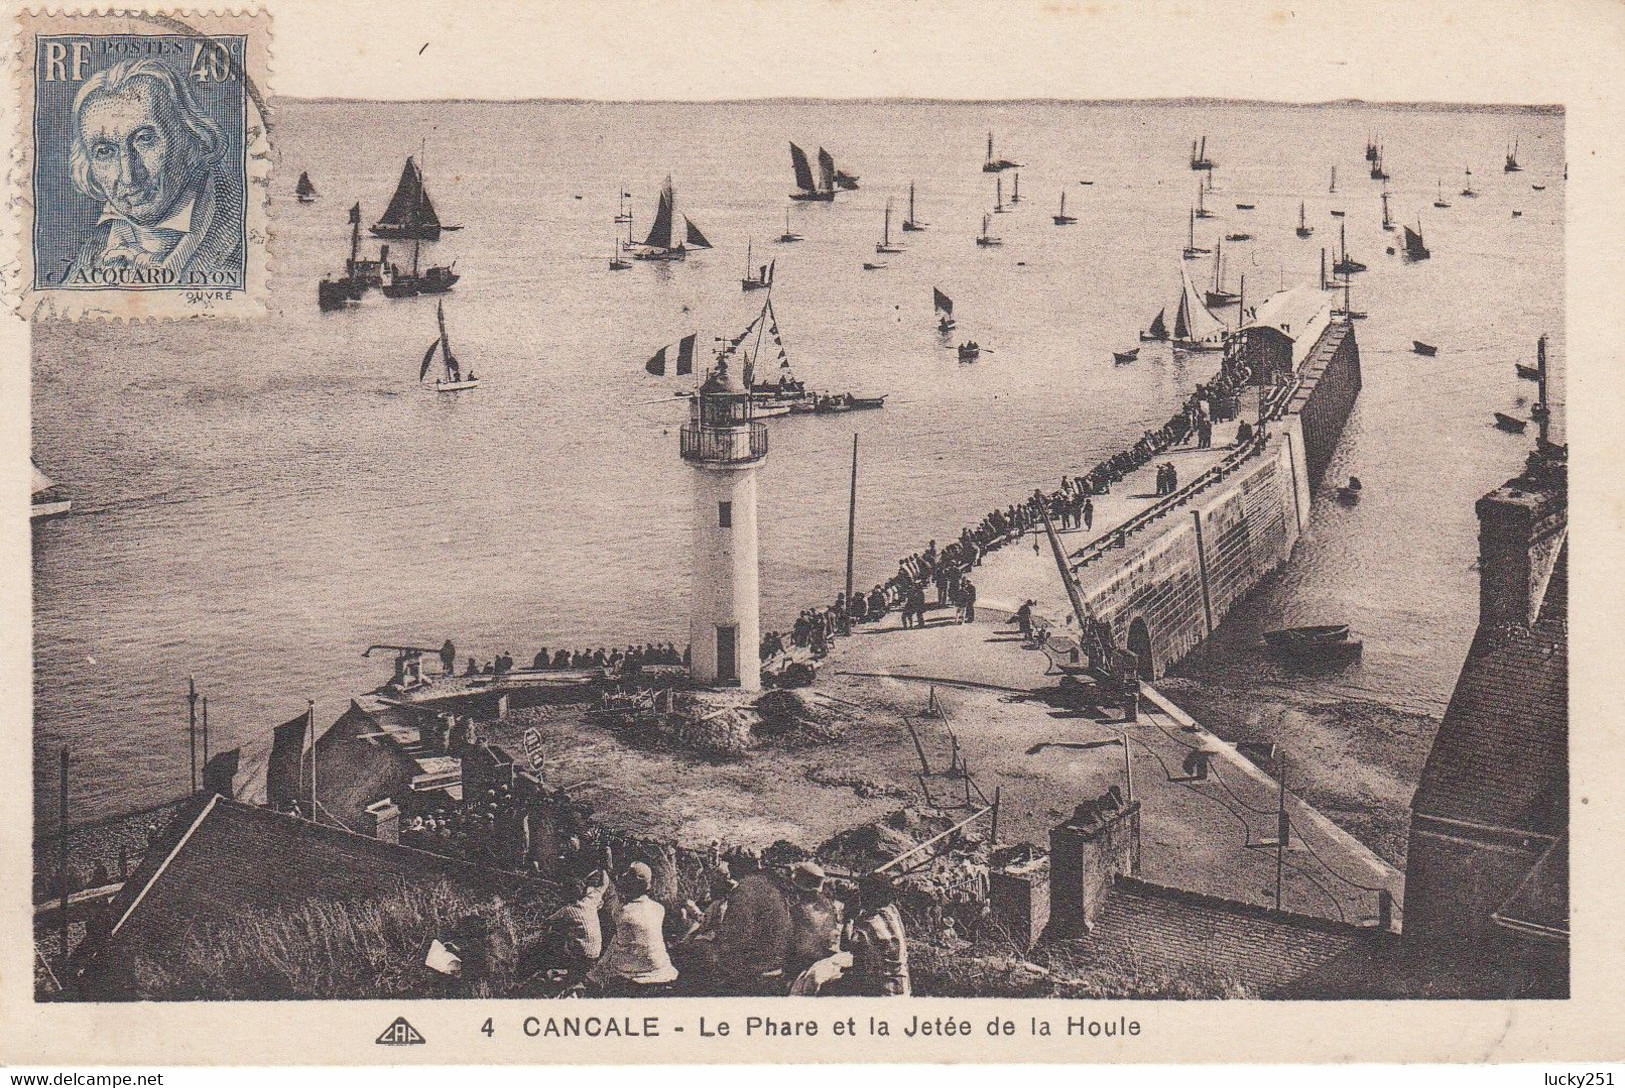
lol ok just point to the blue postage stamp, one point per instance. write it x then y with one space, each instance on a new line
148 162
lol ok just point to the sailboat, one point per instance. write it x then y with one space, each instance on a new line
625 213
334 294
1015 196
755 279
1414 249
1159 327
1345 264
943 307
1191 248
617 263
1387 221
1199 159
1348 311
1467 189
1304 229
843 180
1333 189
986 239
786 394
807 188
788 235
1061 218
394 283
664 243
1217 295
1512 166
1371 151
305 190
1195 326
48 500
1377 172
1441 202
455 380
1201 206
998 195
911 223
992 165
410 215
885 244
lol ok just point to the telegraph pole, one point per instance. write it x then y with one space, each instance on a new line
191 725
851 535
205 732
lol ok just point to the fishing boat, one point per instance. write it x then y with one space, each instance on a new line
1538 188
1387 221
1333 188
624 214
667 239
1061 218
1199 159
1512 166
617 263
998 196
1193 250
885 245
1201 205
1129 356
1467 189
1159 328
807 188
1195 326
1414 249
1371 149
1304 229
943 307
1312 652
788 235
48 498
846 181
410 215
911 223
1345 265
1421 348
1510 424
1321 634
1015 194
304 189
1377 172
871 266
986 239
1349 493
1217 295
1440 201
1338 213
969 351
1517 214
1348 312
755 279
455 381
992 165
1528 373
833 403
1245 207
1086 181
1238 236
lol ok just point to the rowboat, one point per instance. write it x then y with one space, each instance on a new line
969 352
1316 634
1510 424
846 402
1349 493
1423 349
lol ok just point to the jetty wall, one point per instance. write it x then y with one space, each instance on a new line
1166 580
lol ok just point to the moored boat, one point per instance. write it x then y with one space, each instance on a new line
1199 159
1322 634
1304 229
985 238
912 223
1126 356
788 235
886 245
992 165
1423 349
305 190
1061 218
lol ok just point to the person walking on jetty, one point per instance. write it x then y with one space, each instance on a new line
636 961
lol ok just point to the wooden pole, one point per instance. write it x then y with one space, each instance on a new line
1546 409
972 818
1280 835
205 732
998 798
918 747
310 723
191 726
62 871
851 535
1128 768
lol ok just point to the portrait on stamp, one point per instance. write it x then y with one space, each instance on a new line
140 168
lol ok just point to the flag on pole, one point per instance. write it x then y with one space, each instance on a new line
355 212
657 364
685 354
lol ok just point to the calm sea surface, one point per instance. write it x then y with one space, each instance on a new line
256 504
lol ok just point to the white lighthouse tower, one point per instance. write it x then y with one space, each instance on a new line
725 446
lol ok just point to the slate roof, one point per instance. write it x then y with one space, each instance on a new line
1500 758
1173 940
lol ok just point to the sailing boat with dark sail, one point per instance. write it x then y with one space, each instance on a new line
1061 218
943 307
1414 249
667 240
885 245
1159 327
410 215
455 381
911 223
755 279
807 187
305 190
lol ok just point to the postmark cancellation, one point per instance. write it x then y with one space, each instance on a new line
142 164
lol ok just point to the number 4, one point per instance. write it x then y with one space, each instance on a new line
213 66
487 1028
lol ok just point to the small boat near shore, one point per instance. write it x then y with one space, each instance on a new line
1061 218
1510 424
1421 348
1126 356
832 403
969 351
1315 633
1322 644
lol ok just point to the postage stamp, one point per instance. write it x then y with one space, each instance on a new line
144 162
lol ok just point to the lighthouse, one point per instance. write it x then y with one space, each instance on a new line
726 447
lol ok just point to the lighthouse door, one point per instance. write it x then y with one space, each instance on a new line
727 654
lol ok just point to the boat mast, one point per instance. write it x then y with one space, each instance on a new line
911 202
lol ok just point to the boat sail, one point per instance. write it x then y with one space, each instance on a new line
305 189
912 223
1371 151
1195 326
1414 249
1217 295
806 187
1191 248
410 215
943 307
885 244
755 278
1201 205
1467 189
986 239
1199 159
1304 229
1377 172
998 195
1512 166
1159 327
1387 221
454 381
1061 218
826 171
992 165
664 243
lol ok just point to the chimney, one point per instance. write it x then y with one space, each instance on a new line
1019 897
1521 529
1088 852
384 821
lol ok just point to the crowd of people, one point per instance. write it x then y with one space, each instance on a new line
615 659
